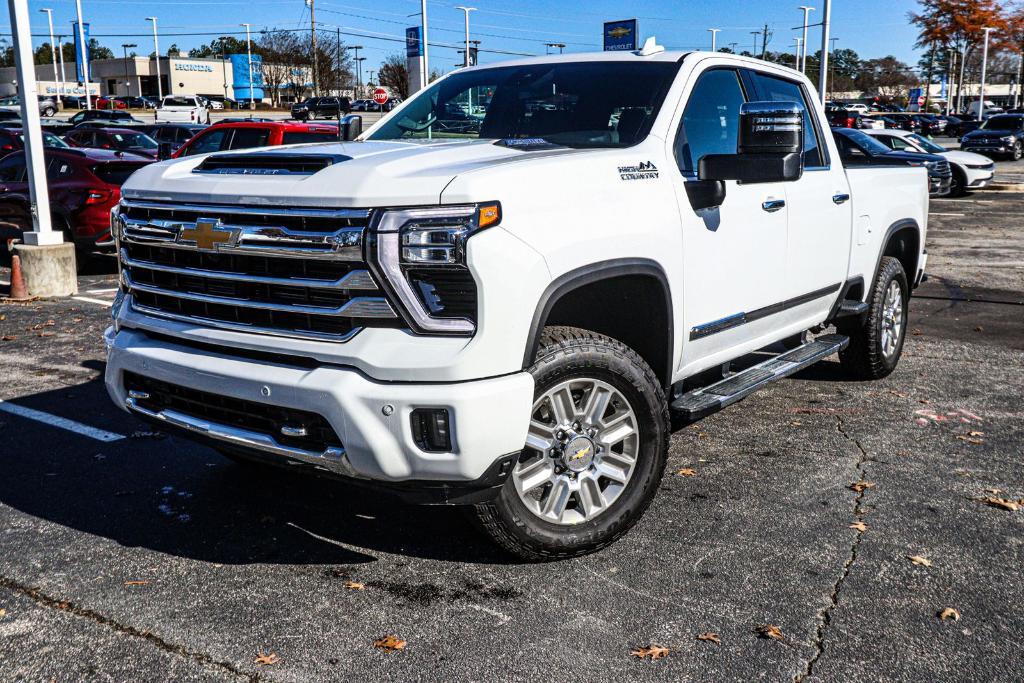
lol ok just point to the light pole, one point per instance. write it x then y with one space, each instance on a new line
803 57
359 75
823 67
832 67
156 51
85 54
224 63
796 56
984 67
60 56
248 47
49 19
755 34
425 76
127 83
560 46
466 11
714 38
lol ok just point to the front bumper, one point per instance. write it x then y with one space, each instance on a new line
939 187
987 148
489 417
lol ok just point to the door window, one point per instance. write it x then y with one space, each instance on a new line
245 138
711 119
774 89
12 169
211 142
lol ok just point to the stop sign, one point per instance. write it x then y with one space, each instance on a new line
380 96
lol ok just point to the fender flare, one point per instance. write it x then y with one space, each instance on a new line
596 272
902 224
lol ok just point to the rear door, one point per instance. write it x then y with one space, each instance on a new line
818 205
733 255
13 193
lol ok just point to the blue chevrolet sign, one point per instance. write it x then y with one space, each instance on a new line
620 35
413 44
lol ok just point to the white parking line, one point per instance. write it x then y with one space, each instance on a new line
61 422
5 283
934 213
90 300
102 291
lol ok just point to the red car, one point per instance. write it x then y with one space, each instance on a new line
221 137
124 139
105 102
84 186
12 139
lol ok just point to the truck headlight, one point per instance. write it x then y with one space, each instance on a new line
421 256
1008 139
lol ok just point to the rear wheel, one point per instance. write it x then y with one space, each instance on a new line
877 342
594 455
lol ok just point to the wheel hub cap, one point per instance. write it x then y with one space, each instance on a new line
892 319
579 453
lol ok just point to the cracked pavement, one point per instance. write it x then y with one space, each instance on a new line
152 558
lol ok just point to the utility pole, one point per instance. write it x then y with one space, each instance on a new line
337 57
714 38
826 18
156 51
248 47
312 39
467 10
803 57
765 37
39 199
425 76
85 54
127 82
53 48
984 67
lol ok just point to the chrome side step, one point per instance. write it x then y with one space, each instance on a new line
701 402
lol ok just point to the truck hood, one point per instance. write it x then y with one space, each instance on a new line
363 175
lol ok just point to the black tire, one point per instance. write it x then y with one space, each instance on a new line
864 357
49 111
311 116
569 353
958 185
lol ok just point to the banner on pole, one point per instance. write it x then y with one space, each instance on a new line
81 57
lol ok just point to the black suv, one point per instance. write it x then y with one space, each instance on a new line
1000 135
860 149
321 108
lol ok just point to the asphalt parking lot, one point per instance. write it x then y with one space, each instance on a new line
128 554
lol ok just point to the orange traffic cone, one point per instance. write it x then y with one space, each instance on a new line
18 291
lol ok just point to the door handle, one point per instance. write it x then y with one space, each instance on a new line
773 205
840 198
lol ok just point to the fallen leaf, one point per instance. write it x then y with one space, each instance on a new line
916 332
919 560
686 472
651 651
354 585
3 613
136 583
949 613
979 328
2 317
8 337
859 486
389 643
859 526
976 433
46 334
1003 503
770 631
266 659
711 637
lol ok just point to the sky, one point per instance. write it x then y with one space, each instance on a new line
873 28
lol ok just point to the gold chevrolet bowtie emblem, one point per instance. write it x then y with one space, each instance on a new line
207 234
582 453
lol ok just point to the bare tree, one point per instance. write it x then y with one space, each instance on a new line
394 75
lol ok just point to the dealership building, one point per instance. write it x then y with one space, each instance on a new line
178 75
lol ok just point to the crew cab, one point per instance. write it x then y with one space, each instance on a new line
247 134
181 109
83 184
508 315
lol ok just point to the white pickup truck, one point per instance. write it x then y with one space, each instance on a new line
504 308
181 109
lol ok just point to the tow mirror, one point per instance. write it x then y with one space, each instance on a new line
350 127
164 151
769 146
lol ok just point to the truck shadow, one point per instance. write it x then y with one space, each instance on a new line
162 493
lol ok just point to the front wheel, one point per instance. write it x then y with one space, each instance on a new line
1018 151
876 343
49 111
594 455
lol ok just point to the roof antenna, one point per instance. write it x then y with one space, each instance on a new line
650 47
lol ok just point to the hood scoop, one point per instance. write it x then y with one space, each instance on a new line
268 164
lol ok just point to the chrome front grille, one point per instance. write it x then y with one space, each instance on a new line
291 272
942 168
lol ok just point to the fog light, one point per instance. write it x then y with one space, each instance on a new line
430 429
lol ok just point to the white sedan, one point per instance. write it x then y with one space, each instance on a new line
970 171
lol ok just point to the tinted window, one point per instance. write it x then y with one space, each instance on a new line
115 173
133 141
1003 123
12 169
58 168
300 137
577 104
711 119
210 142
245 138
780 90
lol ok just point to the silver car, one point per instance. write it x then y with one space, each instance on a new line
47 105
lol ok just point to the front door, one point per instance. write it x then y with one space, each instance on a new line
733 255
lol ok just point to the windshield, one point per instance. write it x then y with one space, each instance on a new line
133 141
927 145
577 104
50 141
865 141
1003 123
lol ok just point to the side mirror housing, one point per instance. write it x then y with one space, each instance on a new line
164 151
350 127
769 146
